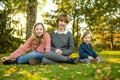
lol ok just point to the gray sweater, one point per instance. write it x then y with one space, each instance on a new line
62 41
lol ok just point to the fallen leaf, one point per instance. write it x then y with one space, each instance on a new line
107 68
98 70
85 74
107 76
98 76
119 71
12 69
94 66
47 66
57 77
6 75
36 73
24 73
63 67
71 77
44 78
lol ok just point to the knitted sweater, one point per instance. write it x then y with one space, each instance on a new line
62 41
46 46
86 50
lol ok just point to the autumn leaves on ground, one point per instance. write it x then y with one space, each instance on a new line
107 70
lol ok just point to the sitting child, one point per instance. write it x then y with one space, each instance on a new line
86 52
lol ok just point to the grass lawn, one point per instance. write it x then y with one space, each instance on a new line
107 70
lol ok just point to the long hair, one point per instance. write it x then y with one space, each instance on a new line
36 39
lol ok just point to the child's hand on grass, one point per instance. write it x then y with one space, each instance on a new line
99 60
90 58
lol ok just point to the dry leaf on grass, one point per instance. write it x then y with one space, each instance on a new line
63 67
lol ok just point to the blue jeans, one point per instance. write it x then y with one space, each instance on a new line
25 57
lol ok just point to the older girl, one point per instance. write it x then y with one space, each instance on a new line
37 45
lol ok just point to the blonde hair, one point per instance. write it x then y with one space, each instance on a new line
35 38
63 17
86 32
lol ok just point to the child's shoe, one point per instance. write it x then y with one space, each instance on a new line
72 61
34 61
94 61
7 62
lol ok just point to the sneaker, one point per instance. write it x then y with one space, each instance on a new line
76 61
34 61
72 61
7 62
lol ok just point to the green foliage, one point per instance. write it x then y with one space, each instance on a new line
99 47
8 42
101 16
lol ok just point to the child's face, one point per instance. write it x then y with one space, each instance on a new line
39 30
62 24
87 39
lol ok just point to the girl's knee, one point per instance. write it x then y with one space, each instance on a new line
19 61
31 53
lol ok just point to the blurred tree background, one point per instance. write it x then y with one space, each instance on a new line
101 17
8 25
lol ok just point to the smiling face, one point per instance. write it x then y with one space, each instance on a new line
39 30
87 38
62 21
62 24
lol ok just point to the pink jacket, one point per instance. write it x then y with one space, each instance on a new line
44 47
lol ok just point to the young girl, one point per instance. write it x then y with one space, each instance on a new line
37 45
86 52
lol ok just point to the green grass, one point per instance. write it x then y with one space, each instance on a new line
107 70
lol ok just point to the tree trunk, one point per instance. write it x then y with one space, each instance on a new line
31 16
111 44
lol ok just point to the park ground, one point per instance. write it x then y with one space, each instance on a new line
109 69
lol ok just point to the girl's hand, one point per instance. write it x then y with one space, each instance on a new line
4 59
58 51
